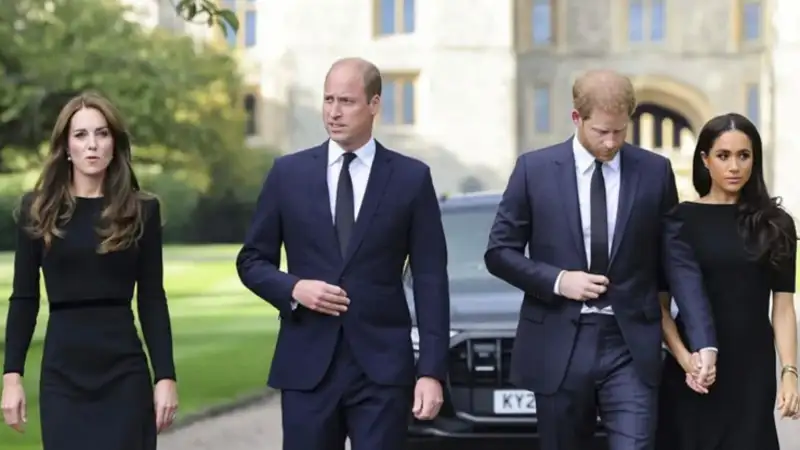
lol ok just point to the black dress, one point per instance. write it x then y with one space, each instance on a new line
738 411
96 388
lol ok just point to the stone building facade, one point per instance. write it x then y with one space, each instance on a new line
471 84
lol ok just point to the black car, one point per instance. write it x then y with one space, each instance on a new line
480 402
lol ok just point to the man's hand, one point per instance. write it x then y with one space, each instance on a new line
708 367
321 297
427 398
582 286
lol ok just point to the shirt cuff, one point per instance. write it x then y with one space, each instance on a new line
557 284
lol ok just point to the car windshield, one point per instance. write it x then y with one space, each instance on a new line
466 230
467 233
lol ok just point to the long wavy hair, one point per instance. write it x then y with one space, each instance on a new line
763 223
52 203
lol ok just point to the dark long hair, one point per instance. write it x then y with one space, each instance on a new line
52 204
763 224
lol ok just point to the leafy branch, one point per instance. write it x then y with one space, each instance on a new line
208 13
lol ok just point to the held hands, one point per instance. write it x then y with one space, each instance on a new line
13 403
788 400
701 370
321 297
708 367
428 398
165 397
582 286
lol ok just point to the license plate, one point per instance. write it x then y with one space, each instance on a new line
514 401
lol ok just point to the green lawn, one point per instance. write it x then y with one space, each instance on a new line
224 336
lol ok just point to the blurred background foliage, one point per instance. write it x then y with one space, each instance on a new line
179 97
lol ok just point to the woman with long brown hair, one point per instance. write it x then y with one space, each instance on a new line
746 246
95 235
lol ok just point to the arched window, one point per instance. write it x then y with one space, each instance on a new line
656 127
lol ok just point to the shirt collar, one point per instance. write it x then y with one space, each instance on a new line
584 160
365 154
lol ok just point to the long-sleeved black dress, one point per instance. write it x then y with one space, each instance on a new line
738 411
96 390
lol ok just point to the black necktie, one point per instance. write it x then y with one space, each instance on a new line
345 203
599 221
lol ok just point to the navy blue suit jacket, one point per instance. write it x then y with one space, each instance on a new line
540 209
399 219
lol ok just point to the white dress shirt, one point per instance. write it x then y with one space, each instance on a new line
584 168
360 168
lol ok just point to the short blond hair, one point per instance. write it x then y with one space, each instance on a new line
603 90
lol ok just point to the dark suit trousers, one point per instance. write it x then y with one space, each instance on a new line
346 404
600 378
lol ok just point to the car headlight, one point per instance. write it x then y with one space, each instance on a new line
415 337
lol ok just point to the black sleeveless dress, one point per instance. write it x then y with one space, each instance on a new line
738 411
96 387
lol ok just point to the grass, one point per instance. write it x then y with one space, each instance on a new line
224 336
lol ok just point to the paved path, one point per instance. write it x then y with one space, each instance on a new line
254 427
789 433
257 427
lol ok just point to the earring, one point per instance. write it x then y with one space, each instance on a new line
69 158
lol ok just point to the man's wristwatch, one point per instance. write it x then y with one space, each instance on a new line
790 369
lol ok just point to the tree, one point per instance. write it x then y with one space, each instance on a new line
207 12
180 97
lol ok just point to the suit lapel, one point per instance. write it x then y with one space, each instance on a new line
627 194
378 179
319 198
568 186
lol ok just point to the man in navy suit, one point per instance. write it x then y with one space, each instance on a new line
350 213
590 210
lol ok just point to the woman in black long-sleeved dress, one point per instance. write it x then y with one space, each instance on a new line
95 236
746 247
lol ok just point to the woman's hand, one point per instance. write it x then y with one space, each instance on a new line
15 412
788 400
690 363
165 396
697 363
